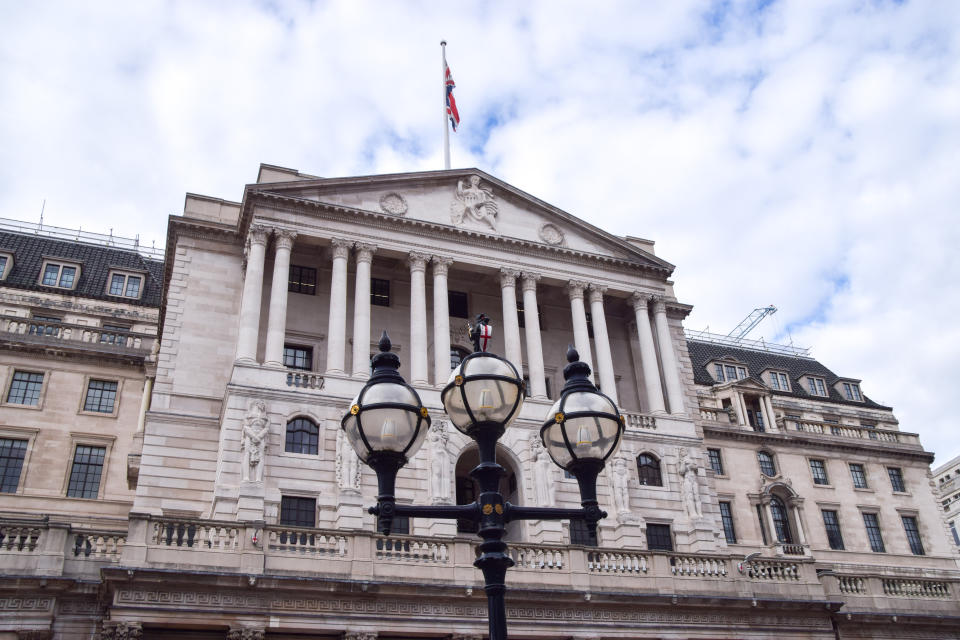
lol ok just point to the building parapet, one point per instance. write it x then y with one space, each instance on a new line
79 338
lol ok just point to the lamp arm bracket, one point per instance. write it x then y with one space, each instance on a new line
448 512
514 512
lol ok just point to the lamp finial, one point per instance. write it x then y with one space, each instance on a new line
572 354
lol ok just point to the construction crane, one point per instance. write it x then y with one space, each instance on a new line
751 321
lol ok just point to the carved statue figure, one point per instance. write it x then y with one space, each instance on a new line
691 489
254 442
543 473
620 481
480 332
348 464
439 463
474 202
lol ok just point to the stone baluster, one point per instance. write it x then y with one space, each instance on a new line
608 380
511 321
652 388
531 321
249 333
581 334
418 317
277 319
441 321
337 325
668 356
361 311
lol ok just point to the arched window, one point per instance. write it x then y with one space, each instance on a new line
781 522
767 466
648 469
302 436
456 357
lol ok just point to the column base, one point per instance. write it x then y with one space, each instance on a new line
361 375
272 364
245 360
334 372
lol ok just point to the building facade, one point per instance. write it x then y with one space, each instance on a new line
741 503
947 479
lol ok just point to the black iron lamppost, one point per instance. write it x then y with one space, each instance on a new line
387 422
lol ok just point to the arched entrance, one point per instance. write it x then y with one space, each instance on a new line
467 488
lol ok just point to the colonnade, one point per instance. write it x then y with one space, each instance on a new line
661 376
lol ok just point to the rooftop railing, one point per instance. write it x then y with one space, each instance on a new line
86 237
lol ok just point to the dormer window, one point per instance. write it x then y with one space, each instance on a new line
62 275
729 372
6 264
779 381
851 391
125 285
817 386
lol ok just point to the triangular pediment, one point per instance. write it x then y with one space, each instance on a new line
467 199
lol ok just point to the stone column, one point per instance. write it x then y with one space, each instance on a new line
249 333
671 368
742 418
511 322
797 506
337 326
531 321
418 318
277 320
771 416
581 335
441 321
608 380
361 311
648 355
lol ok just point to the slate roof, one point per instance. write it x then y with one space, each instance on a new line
702 353
96 261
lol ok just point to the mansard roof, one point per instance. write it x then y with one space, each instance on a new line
702 353
29 251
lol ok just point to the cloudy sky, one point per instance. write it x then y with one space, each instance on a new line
803 154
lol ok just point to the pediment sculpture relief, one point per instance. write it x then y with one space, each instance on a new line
551 234
474 203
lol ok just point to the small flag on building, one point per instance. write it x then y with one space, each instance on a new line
452 112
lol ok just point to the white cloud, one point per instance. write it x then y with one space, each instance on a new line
802 155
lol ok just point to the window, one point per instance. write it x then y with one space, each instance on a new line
658 537
113 334
779 381
126 285
5 261
726 515
781 522
297 357
25 388
817 387
742 373
457 303
45 325
873 532
718 372
56 274
12 453
767 466
380 292
302 280
852 392
763 526
953 530
648 470
101 396
716 462
913 534
399 525
456 357
302 436
731 372
832 525
521 316
86 470
818 469
298 512
580 534
859 475
896 479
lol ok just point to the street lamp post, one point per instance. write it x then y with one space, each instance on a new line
387 422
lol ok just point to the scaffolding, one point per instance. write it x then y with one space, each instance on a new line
744 343
86 237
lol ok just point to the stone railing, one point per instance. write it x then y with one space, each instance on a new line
201 535
102 546
309 542
772 570
54 549
618 562
639 420
412 549
537 557
851 431
891 593
698 566
853 585
20 539
907 588
304 380
81 336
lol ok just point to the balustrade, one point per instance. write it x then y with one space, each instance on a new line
909 588
698 566
851 585
639 420
304 380
772 570
22 539
528 557
408 549
616 562
196 535
309 542
106 339
105 546
851 431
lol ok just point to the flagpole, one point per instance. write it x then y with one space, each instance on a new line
443 86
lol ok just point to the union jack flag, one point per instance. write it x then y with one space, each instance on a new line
452 112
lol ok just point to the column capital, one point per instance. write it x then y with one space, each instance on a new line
417 261
258 234
284 238
246 634
508 277
365 251
340 247
528 281
575 289
639 300
441 265
659 304
596 293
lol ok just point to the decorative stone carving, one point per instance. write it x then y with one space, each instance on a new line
439 463
417 261
348 464
551 234
121 631
575 289
340 248
34 634
245 634
360 635
543 475
620 485
284 238
691 488
394 204
254 441
474 202
508 277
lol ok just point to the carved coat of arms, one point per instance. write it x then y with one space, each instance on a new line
475 203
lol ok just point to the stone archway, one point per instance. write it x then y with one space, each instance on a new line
467 489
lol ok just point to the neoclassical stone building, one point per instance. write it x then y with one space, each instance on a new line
249 518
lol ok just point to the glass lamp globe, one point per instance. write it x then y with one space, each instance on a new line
483 390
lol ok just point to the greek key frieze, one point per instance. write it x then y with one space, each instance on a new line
26 604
